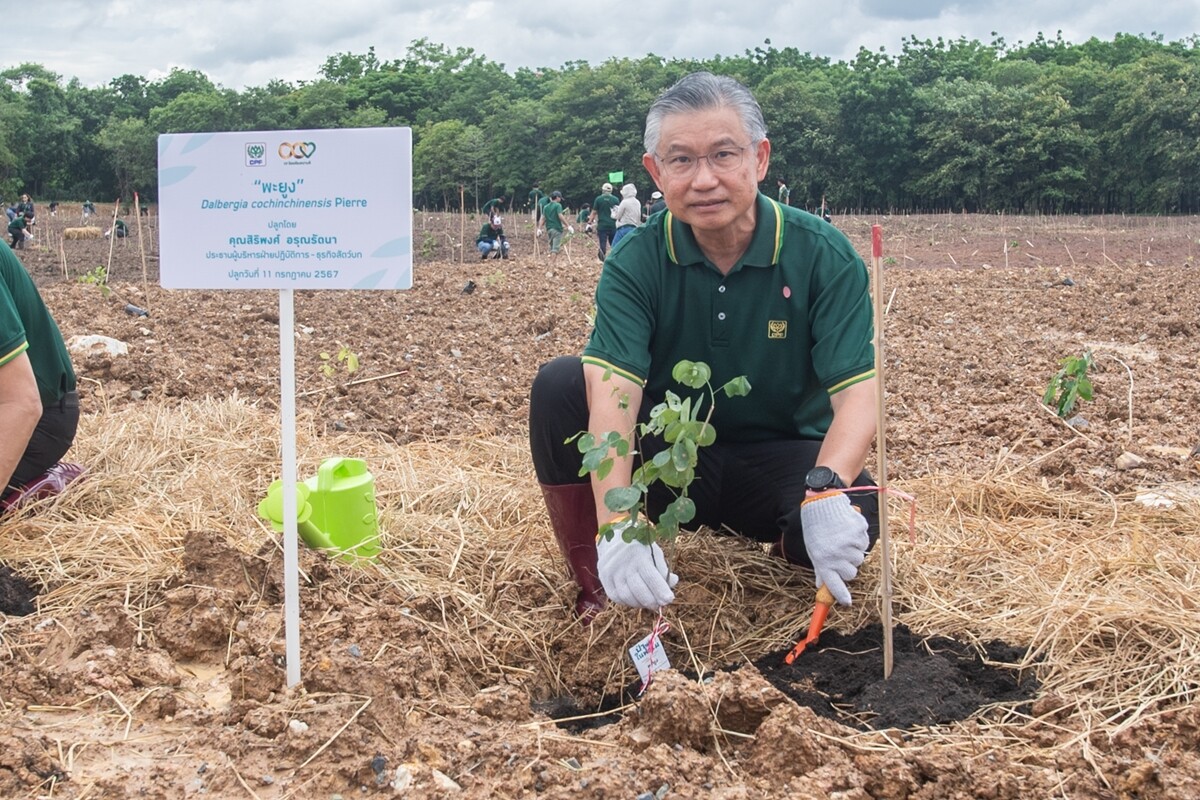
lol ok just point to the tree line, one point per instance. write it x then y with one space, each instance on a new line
961 125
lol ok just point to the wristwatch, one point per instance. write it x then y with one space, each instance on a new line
820 479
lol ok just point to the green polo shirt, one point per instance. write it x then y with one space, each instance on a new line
550 214
793 315
535 197
27 327
604 204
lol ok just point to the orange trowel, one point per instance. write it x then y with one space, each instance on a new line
824 602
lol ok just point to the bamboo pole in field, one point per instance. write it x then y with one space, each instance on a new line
62 255
137 214
462 224
112 238
885 542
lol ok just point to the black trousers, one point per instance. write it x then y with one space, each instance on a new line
750 488
52 438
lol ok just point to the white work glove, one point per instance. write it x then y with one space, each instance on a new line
570 229
537 232
632 573
835 535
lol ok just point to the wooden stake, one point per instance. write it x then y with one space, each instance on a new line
137 214
881 480
62 254
462 224
112 238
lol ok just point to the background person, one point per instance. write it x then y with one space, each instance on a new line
491 238
603 217
556 221
39 408
16 230
734 279
656 204
628 214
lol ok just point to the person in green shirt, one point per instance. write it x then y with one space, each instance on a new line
555 221
729 277
537 199
491 239
602 218
496 203
785 194
581 218
16 229
39 407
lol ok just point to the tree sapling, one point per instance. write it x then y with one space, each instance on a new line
677 421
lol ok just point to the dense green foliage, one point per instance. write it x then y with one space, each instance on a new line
1046 126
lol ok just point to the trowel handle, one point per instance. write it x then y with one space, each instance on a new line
824 596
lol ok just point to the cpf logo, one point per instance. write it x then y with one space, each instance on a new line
297 151
256 154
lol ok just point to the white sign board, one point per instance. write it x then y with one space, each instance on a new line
301 209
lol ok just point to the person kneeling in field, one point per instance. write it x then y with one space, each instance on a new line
39 407
491 238
732 278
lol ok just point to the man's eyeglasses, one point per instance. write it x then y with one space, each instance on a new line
682 165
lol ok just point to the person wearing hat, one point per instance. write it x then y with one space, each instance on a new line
628 213
555 221
755 289
656 204
602 218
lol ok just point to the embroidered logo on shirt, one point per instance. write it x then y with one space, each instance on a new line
777 329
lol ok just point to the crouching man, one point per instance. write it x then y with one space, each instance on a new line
730 277
39 407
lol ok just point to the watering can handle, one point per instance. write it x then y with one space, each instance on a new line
338 467
327 472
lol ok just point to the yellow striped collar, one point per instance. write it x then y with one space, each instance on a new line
765 246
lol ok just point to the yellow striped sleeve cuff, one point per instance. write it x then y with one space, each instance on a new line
864 376
609 367
16 351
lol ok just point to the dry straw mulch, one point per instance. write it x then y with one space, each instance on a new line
1101 589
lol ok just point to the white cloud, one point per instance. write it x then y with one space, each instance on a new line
240 44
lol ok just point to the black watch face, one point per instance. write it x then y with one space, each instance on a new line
821 478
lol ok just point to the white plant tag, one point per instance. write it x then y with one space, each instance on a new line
649 659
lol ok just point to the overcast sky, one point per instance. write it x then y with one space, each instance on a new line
243 43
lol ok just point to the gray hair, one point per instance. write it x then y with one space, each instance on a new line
700 91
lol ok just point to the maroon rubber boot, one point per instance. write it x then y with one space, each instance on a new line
572 511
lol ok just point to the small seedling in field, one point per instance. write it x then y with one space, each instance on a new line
1070 384
495 279
346 358
429 244
677 421
98 276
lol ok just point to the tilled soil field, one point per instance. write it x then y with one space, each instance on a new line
178 692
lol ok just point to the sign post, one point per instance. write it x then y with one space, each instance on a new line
286 210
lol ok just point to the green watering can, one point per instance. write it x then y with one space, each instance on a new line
335 511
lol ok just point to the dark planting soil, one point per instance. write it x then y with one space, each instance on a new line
16 593
935 680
